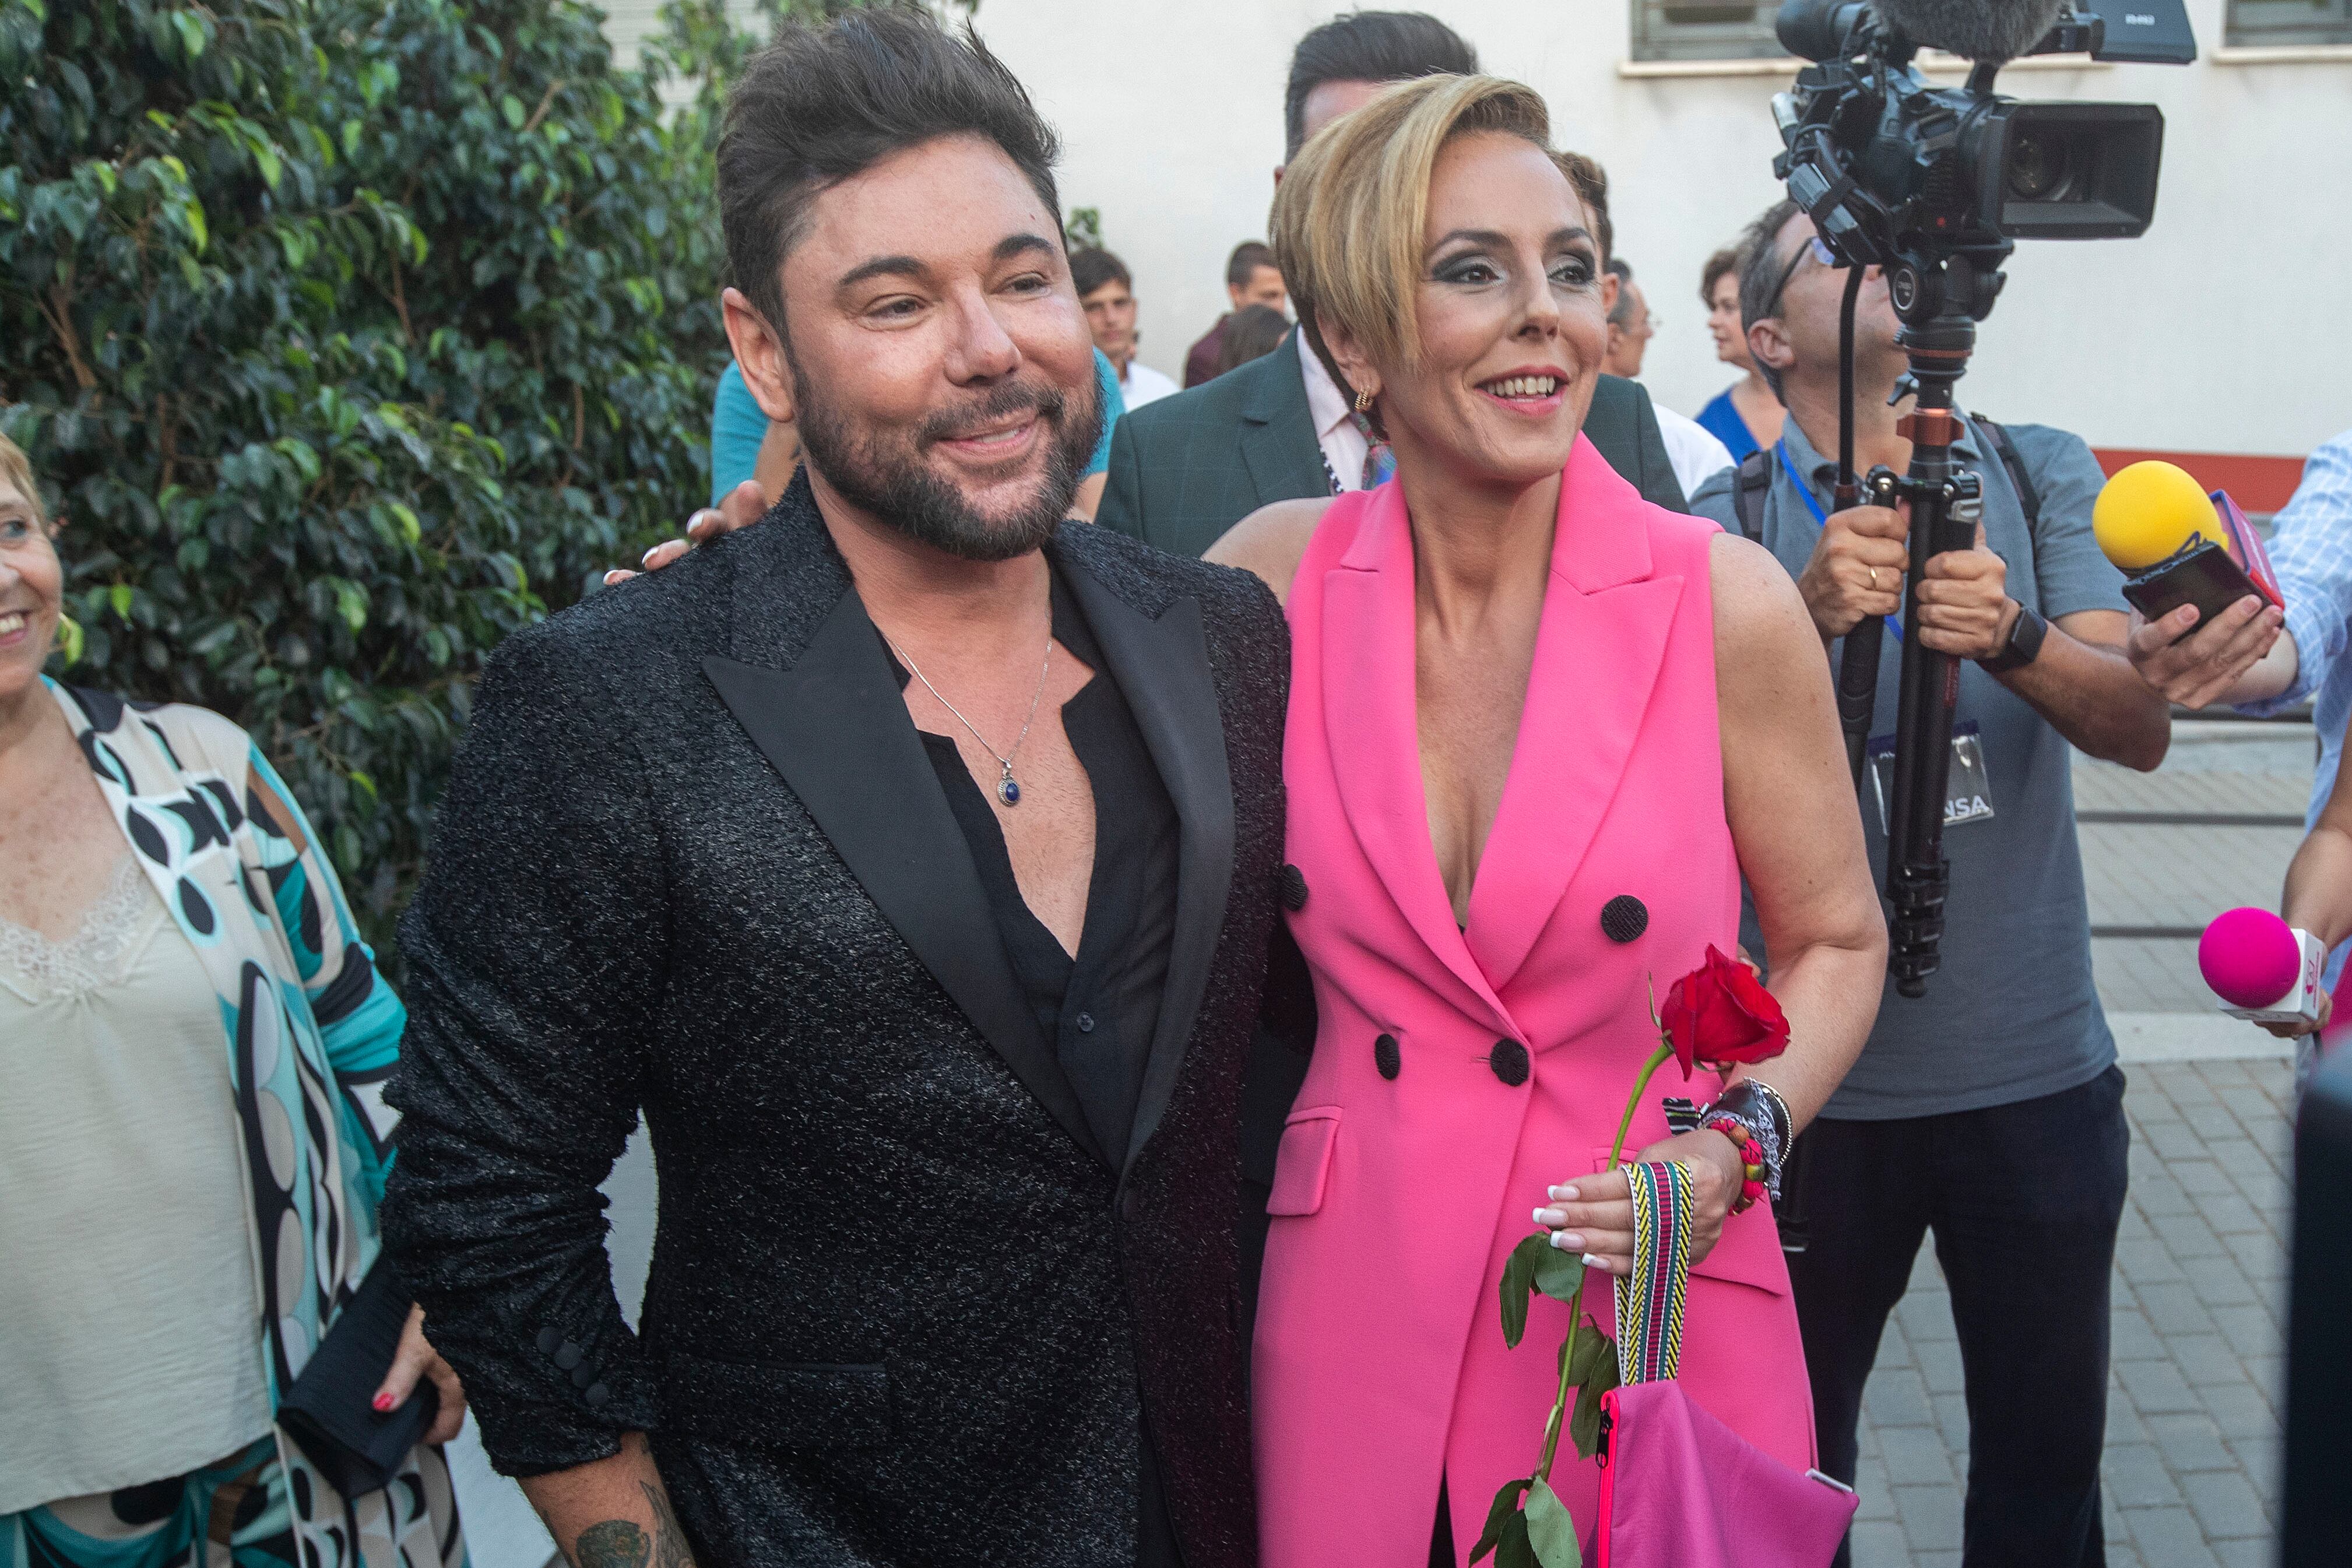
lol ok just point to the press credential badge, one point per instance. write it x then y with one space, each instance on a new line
1968 795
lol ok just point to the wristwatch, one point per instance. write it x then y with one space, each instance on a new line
2024 643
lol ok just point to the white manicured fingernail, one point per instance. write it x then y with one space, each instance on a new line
1592 1260
1562 1195
1560 1241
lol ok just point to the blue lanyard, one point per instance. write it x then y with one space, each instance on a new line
1820 518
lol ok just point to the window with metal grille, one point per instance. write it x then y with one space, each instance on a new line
2259 22
1682 30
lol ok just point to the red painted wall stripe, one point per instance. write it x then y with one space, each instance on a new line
2256 484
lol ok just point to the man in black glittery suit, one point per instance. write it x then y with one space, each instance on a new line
910 858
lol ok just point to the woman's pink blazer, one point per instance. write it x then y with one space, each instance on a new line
1457 1073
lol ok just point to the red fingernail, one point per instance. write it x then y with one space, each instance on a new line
384 1401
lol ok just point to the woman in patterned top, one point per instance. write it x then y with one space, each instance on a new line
192 1140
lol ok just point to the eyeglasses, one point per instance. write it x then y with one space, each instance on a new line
1816 248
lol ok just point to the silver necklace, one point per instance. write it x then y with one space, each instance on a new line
1008 789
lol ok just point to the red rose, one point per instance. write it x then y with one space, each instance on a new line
1719 1014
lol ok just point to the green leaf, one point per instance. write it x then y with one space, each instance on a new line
1598 1376
1505 1509
1513 1551
409 530
1552 1534
70 640
1592 1347
1558 1274
191 28
351 602
299 454
365 784
511 107
1518 1278
120 597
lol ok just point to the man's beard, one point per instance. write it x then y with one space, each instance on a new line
892 484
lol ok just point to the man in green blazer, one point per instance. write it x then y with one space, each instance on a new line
1188 468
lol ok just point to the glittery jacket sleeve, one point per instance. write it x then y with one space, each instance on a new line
531 946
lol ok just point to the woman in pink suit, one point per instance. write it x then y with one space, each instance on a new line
1537 728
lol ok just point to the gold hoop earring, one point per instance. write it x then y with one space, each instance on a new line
1364 400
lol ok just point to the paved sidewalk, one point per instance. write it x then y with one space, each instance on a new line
2200 1306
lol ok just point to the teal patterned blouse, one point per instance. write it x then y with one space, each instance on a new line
313 1032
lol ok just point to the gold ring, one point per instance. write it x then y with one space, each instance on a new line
1874 579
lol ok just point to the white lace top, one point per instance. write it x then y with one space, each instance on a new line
132 1351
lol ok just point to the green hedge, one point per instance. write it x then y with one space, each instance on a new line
346 337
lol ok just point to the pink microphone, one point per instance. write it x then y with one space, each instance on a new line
2261 967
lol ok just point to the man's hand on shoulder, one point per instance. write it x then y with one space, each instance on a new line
2197 666
742 506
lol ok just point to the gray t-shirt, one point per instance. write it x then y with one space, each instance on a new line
2012 1015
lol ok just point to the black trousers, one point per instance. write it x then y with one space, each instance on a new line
2023 1200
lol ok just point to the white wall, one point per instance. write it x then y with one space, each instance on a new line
2225 328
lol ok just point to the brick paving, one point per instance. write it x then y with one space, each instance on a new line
2191 1466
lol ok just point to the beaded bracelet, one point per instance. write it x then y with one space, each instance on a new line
1754 1104
1752 1158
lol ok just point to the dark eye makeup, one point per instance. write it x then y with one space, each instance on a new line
1575 269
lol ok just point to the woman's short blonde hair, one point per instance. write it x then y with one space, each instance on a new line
1350 215
18 469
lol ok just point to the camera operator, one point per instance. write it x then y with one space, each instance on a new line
1989 1111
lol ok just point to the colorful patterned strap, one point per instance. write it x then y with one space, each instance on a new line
1650 1300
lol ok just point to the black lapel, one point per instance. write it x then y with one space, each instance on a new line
836 728
1277 435
1161 666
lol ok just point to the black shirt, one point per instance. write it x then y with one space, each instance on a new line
1100 1007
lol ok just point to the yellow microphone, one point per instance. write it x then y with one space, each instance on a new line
2147 512
2177 546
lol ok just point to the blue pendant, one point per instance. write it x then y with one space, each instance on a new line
1007 791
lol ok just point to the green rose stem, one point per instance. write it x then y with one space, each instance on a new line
1553 1423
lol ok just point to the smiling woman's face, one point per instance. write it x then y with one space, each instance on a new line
31 586
1509 311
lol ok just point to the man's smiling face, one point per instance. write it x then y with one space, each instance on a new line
942 372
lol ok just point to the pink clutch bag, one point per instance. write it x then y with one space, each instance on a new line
1678 1488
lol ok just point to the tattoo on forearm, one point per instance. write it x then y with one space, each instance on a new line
670 1550
614 1543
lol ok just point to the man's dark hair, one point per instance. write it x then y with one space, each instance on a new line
1368 46
1761 271
1619 268
1091 269
1251 332
820 105
1242 264
1722 261
1591 183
